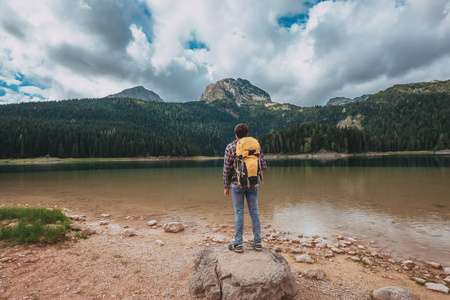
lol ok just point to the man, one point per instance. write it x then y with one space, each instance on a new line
238 192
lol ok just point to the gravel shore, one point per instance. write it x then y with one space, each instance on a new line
155 264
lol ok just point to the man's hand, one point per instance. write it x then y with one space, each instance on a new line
226 192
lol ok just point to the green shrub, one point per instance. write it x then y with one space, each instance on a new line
35 225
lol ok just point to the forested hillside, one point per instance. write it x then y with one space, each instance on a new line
404 117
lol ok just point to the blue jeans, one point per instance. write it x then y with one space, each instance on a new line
238 202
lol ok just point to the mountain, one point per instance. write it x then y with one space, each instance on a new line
404 117
138 92
238 91
342 100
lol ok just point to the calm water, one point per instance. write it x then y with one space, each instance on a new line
401 203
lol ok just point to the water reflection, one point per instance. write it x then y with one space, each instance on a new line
402 203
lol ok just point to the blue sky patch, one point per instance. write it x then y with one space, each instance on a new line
2 92
144 21
24 81
194 44
288 21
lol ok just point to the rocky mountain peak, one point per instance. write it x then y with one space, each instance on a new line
239 91
343 100
138 92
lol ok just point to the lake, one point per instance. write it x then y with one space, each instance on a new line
400 202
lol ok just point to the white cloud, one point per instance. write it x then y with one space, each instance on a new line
346 48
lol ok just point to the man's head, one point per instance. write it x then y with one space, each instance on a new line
241 130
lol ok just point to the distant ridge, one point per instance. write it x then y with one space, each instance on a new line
138 92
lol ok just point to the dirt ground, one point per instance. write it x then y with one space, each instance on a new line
109 265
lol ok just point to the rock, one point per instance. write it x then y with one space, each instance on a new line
447 270
103 222
238 91
352 240
419 280
218 238
296 250
152 223
78 218
337 250
129 232
5 259
77 227
318 274
89 231
173 227
409 263
366 261
278 249
159 242
355 258
329 254
392 261
394 293
224 274
304 258
437 287
105 215
447 279
322 245
433 265
128 218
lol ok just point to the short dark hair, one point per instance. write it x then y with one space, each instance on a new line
241 130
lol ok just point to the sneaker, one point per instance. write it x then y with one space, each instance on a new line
236 248
257 246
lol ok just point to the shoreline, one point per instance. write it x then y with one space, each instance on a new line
140 267
310 156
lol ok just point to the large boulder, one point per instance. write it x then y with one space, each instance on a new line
224 274
394 293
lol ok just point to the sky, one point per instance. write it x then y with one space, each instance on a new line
300 52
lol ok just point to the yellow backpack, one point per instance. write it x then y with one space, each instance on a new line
248 164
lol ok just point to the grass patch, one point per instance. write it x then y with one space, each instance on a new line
29 225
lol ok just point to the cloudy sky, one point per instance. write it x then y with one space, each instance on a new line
300 52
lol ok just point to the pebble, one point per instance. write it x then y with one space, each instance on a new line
318 274
129 232
103 222
409 263
296 250
304 258
447 270
447 279
437 287
433 265
159 242
352 240
392 261
337 250
173 227
419 280
218 238
89 231
152 223
105 215
366 261
355 258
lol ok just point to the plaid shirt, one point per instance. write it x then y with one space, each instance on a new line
229 166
